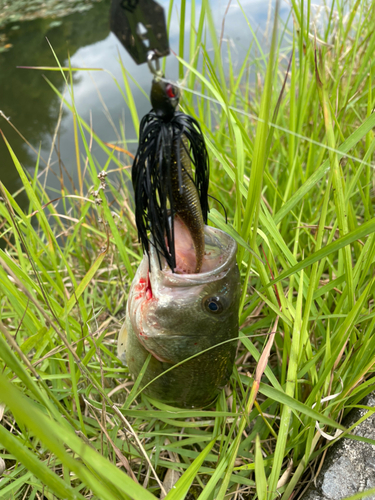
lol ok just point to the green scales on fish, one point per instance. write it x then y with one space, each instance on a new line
184 298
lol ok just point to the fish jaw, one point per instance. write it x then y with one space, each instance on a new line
175 313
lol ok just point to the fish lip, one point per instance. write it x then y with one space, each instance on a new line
167 278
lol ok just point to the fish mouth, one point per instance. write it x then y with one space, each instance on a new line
219 258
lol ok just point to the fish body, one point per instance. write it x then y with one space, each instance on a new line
173 317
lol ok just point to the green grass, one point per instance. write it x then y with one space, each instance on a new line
294 170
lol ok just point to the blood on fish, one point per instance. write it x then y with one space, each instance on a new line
140 287
143 288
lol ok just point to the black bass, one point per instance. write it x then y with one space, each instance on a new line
175 316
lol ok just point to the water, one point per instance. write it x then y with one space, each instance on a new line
33 107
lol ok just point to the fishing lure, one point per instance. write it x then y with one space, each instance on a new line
170 142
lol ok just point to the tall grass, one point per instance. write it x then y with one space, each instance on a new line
291 161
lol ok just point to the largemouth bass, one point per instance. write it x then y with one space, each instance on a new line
175 316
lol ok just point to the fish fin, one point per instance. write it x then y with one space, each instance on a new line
121 343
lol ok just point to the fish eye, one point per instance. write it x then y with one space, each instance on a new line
213 305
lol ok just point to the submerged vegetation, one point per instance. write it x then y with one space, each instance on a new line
25 10
291 161
17 11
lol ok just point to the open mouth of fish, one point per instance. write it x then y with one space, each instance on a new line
219 257
216 250
169 311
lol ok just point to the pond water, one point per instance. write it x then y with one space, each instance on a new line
33 107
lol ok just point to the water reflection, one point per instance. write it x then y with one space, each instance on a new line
25 97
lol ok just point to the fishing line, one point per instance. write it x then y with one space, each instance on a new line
278 127
222 206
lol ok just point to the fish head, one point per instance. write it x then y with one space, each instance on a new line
178 315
